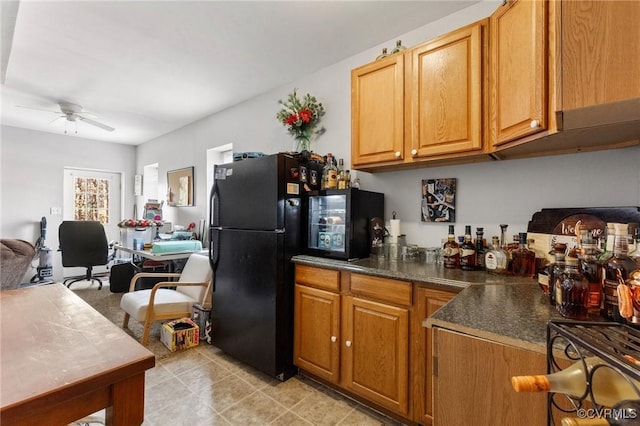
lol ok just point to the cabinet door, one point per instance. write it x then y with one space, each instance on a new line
375 352
316 340
472 382
598 66
377 111
446 93
428 301
518 71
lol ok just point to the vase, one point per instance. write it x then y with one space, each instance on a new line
304 144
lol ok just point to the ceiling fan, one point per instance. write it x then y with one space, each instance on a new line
73 113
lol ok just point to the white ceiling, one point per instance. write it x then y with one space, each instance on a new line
149 67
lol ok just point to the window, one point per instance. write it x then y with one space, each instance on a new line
91 199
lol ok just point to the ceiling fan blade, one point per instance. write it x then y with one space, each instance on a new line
95 123
56 119
37 109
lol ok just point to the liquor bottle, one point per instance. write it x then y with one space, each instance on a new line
523 260
608 387
384 54
342 182
574 288
556 269
467 251
331 172
451 250
399 47
480 249
616 271
624 413
325 174
347 179
591 270
495 260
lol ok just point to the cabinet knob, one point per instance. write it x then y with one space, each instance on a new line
348 343
333 339
398 154
414 152
535 124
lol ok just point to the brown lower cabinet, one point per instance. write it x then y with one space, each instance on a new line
363 334
472 383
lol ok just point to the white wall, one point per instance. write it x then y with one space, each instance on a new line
31 169
488 193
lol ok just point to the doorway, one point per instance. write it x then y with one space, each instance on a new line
219 155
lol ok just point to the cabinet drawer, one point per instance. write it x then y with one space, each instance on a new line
383 289
326 279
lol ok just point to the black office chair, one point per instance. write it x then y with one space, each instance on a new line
84 244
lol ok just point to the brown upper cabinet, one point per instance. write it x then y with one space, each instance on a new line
446 94
518 83
377 112
551 77
423 104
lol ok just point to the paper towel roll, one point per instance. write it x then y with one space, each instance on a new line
394 227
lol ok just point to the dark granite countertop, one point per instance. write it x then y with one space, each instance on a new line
503 309
419 272
515 315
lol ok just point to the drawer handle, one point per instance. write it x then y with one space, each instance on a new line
398 154
535 124
348 343
334 339
414 152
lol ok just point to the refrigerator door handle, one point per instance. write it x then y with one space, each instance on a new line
214 214
214 210
214 252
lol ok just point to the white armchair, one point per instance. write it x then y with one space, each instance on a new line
160 302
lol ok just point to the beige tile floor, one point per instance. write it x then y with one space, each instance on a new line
203 386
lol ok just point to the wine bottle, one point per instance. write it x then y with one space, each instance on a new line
608 387
624 413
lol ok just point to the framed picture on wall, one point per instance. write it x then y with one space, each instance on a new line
438 200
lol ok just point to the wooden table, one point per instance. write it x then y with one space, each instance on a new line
61 360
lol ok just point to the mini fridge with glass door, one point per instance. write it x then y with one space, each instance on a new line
338 222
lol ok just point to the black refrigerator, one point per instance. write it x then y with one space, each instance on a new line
256 225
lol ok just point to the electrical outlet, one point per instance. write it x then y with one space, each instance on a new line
56 210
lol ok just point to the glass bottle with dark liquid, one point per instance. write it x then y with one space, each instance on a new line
574 289
616 271
592 271
467 251
523 260
451 251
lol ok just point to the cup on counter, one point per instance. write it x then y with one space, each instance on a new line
431 255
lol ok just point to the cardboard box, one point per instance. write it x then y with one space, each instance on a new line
180 334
